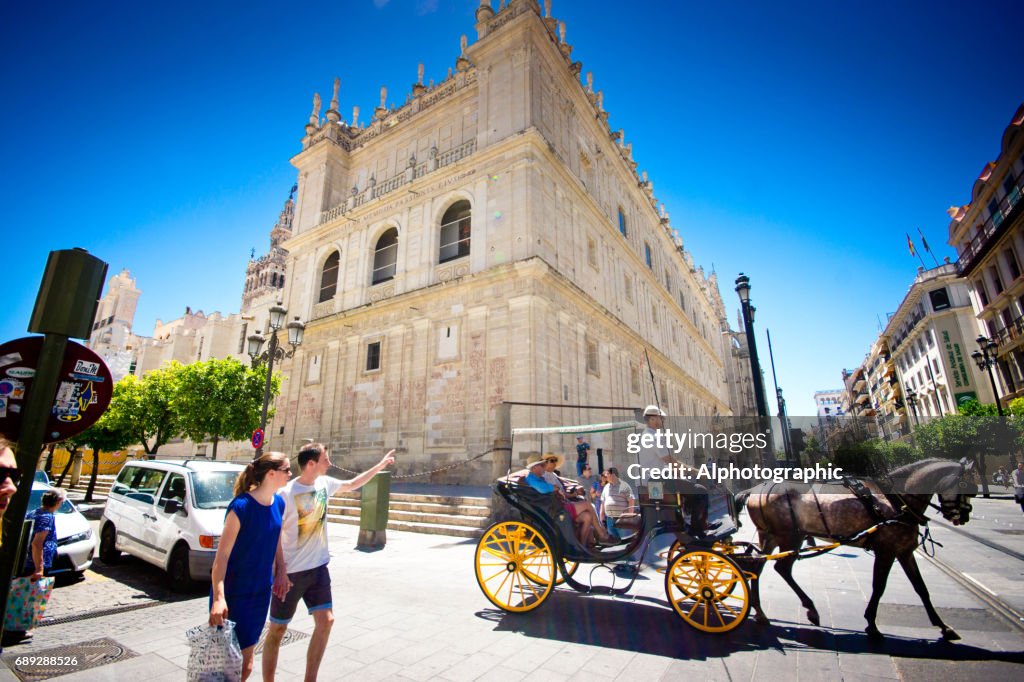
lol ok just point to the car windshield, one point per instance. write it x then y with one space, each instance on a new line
35 501
214 489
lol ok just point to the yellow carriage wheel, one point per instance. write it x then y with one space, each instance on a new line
679 548
570 568
514 566
708 590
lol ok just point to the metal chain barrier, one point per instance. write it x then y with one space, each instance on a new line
446 467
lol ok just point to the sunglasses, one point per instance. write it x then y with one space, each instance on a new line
285 470
13 473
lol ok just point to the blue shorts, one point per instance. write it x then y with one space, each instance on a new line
312 586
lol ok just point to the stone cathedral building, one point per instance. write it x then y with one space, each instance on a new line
488 240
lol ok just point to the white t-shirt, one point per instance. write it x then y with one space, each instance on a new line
304 525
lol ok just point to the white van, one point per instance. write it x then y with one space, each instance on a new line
169 513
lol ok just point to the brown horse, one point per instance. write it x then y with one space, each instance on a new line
786 514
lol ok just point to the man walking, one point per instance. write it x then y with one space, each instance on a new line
304 541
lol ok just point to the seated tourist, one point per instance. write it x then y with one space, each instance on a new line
588 528
616 499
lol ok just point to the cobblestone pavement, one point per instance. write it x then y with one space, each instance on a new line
414 611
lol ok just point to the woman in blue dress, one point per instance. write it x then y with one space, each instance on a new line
249 562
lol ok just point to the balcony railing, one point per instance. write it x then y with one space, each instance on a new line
1010 332
992 228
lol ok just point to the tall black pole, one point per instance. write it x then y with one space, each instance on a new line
271 352
743 289
991 377
755 364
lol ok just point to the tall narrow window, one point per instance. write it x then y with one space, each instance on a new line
329 278
591 253
455 232
622 223
385 256
1011 263
647 256
373 356
592 358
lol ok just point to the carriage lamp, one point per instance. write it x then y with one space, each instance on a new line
986 359
296 331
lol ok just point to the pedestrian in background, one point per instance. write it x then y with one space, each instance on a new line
306 555
42 548
249 564
582 454
1018 485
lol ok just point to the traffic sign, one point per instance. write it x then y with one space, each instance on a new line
257 439
84 388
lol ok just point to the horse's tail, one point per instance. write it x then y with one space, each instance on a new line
741 500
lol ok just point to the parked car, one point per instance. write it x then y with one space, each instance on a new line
75 540
170 514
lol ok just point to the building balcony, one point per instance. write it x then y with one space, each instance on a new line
997 225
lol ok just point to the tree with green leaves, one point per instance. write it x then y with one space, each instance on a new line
142 407
102 437
976 433
221 400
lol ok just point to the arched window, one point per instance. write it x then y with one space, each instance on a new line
329 277
273 279
385 256
622 223
455 232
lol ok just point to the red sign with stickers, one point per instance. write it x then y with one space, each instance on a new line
257 438
84 388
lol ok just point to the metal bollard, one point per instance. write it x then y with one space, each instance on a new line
373 512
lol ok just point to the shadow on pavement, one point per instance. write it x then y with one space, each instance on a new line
644 625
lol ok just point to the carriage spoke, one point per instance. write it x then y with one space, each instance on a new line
732 611
717 613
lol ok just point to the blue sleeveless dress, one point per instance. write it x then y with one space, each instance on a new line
250 573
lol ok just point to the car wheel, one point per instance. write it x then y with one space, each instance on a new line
178 572
109 552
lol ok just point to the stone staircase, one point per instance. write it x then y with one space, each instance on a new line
461 516
103 485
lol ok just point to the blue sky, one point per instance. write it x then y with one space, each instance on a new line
797 142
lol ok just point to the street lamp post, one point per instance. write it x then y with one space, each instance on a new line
743 290
912 401
986 360
296 329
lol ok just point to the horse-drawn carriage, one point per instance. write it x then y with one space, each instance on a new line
707 581
712 582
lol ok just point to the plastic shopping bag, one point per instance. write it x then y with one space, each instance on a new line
215 655
27 602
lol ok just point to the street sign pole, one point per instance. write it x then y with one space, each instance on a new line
65 307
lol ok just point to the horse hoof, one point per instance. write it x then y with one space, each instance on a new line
950 635
874 633
813 617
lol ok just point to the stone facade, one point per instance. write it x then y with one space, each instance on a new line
488 241
988 235
112 336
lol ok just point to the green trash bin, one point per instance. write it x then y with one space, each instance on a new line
373 511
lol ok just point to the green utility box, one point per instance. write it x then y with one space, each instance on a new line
373 511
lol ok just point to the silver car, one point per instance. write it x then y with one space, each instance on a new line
76 542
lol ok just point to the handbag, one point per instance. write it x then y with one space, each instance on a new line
27 602
215 655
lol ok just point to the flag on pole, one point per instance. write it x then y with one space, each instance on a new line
924 242
910 245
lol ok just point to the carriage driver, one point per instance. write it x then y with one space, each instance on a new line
696 495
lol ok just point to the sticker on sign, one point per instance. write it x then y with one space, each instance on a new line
84 367
21 372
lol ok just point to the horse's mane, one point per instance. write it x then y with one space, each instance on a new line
930 475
